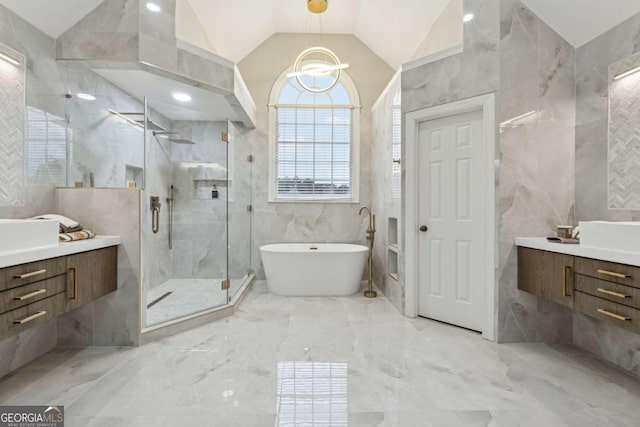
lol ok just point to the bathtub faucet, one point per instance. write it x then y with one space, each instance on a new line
371 231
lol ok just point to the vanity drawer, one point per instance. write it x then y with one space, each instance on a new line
607 311
27 294
32 272
610 271
614 292
16 321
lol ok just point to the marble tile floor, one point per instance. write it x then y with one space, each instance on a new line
188 296
331 362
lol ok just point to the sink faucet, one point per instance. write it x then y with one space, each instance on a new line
371 231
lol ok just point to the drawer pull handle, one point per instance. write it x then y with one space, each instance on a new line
33 273
74 295
615 316
565 280
31 295
30 318
613 274
613 294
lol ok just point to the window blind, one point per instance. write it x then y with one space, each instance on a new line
46 148
314 152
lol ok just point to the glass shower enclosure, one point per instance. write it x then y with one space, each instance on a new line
197 222
193 170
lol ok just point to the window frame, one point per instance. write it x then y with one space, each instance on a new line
355 106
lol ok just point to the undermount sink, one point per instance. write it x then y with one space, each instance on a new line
24 234
615 236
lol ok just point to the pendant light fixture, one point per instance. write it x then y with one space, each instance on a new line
317 6
317 69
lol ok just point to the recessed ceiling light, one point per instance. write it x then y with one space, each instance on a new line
86 96
468 17
182 97
153 7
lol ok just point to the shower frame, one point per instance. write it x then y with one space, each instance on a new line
149 332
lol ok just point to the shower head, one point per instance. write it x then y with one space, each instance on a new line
182 141
175 140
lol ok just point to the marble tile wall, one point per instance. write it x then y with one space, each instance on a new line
112 320
157 264
21 349
471 73
200 225
616 345
102 143
308 222
46 82
536 181
43 78
12 125
476 71
385 203
592 108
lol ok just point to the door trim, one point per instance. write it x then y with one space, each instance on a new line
487 104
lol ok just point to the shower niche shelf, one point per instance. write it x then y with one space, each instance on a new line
133 175
392 248
393 232
203 189
392 263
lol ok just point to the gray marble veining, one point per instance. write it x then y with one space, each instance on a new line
308 222
536 175
114 318
388 371
384 200
592 182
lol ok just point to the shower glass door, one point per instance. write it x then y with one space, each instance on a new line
185 261
240 208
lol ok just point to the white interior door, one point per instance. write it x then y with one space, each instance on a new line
451 211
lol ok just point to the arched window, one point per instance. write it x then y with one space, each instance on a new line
314 141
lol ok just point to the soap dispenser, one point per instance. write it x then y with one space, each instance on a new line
214 192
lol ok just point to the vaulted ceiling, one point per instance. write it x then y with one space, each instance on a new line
392 29
580 21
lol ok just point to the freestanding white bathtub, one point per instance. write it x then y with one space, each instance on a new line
304 269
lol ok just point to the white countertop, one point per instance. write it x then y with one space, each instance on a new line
8 259
629 258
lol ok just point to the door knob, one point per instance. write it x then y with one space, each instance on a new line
424 228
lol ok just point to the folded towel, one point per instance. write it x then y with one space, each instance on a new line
64 229
76 235
67 225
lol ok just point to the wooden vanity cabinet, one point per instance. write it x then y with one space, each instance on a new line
39 291
603 290
548 275
91 275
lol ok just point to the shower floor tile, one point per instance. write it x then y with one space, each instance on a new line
183 297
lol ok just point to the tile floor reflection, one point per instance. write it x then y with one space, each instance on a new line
324 362
312 394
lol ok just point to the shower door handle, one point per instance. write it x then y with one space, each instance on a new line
155 214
